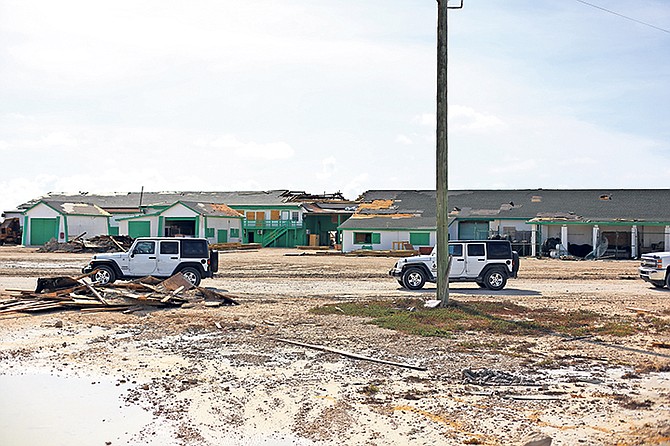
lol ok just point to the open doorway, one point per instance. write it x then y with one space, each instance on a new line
179 227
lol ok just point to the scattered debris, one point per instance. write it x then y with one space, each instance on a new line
487 377
100 243
62 293
351 355
231 246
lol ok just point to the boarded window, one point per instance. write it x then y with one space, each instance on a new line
260 216
234 232
274 215
376 238
209 232
419 238
361 238
250 215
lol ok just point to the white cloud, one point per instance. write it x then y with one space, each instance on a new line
251 150
403 139
328 168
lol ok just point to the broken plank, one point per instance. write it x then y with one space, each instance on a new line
351 355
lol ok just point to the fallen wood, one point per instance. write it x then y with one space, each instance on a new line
351 355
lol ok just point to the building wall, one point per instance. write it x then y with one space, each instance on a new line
92 225
226 223
383 240
123 225
43 211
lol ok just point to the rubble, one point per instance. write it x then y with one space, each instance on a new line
79 293
100 243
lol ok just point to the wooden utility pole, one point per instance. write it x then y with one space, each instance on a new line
442 155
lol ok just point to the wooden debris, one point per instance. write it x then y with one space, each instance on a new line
76 293
351 355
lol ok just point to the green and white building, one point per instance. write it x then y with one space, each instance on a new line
62 220
631 221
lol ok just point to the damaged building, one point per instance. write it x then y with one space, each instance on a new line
277 218
619 223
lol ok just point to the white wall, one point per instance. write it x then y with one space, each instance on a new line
179 210
387 237
92 225
226 223
43 211
123 225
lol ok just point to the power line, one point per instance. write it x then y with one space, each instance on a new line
624 16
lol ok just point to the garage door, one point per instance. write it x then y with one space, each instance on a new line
42 230
139 229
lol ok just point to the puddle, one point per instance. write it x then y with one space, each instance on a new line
46 409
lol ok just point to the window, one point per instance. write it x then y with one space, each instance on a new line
250 216
274 214
456 250
295 215
499 251
234 232
419 238
476 250
361 238
209 232
367 238
169 248
194 249
145 248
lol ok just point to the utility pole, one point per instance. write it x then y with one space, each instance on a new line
442 154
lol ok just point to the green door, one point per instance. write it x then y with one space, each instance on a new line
222 236
139 229
42 230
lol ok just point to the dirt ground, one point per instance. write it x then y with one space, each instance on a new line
239 385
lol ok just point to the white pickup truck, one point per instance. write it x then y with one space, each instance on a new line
654 268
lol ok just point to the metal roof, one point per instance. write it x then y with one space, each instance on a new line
603 205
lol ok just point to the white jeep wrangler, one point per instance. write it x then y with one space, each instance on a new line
489 263
654 268
158 257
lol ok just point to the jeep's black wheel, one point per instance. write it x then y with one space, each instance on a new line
103 275
400 282
481 285
192 275
495 280
667 280
413 278
658 284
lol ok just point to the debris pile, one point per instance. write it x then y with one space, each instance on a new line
79 293
100 243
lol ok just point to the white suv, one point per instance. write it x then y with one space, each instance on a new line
158 257
488 262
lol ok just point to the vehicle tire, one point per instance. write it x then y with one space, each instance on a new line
667 280
192 275
481 285
103 275
400 283
658 284
495 280
413 278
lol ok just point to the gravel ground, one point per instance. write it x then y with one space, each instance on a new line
239 385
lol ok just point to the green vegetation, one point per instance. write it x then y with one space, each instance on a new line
495 317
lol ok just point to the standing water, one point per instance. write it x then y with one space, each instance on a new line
50 410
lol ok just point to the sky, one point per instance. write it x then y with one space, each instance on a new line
326 96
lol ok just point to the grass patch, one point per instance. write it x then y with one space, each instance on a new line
409 316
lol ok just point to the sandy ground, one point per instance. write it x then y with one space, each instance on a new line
238 385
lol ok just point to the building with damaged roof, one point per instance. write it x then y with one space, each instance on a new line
280 218
47 219
631 221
